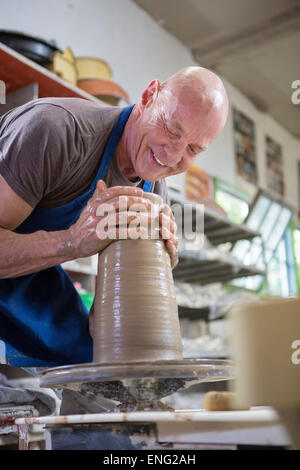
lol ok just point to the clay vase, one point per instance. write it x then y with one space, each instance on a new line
135 313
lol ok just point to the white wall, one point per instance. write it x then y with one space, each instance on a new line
138 49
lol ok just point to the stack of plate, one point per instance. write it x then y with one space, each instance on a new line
94 76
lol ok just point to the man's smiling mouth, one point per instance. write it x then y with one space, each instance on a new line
157 160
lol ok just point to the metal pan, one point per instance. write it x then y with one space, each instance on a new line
33 48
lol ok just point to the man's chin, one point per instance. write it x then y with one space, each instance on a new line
152 178
147 176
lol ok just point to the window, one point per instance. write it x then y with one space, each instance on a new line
234 202
273 252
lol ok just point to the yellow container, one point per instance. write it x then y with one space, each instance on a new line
63 67
92 67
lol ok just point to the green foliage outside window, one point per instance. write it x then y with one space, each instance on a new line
231 201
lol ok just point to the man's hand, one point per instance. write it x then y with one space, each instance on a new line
95 229
102 221
168 229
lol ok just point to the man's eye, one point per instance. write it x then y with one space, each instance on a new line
172 134
192 151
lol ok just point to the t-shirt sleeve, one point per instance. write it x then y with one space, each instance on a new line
36 143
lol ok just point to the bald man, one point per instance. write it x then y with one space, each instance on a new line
60 160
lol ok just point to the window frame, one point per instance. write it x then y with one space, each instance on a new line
293 278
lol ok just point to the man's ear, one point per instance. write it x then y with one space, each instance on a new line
151 93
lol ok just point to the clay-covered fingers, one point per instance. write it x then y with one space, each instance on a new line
125 225
103 195
167 223
123 214
84 235
118 199
168 229
172 247
123 203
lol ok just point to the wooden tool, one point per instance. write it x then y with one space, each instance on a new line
222 401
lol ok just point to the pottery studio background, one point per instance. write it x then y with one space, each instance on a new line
248 180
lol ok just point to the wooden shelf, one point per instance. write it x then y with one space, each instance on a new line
208 270
17 72
208 266
201 313
217 228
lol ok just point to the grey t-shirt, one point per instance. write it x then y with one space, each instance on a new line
51 150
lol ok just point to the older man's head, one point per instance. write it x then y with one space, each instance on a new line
173 122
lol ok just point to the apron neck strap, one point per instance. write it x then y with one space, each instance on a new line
112 145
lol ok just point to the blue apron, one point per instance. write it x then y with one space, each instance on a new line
43 321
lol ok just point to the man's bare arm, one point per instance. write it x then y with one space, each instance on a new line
24 254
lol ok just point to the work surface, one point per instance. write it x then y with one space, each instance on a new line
258 426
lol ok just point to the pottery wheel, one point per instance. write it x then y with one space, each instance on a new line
137 385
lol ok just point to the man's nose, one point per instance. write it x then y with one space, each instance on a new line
174 151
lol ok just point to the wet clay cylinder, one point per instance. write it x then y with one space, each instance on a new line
135 313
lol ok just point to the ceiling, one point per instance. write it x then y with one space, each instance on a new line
254 44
